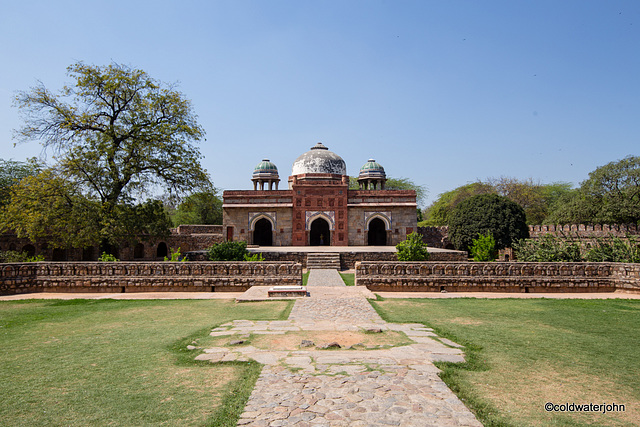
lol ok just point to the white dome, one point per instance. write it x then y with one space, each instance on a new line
319 160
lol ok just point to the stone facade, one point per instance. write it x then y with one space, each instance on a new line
498 277
121 277
319 208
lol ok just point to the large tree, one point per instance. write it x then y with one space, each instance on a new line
487 213
118 134
11 172
199 208
611 195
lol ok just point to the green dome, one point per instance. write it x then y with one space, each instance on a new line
265 167
371 166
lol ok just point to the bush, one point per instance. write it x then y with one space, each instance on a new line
105 257
228 251
548 248
614 249
412 249
176 256
254 257
484 248
487 213
15 256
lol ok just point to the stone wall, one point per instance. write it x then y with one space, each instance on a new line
496 276
585 231
348 260
145 276
438 237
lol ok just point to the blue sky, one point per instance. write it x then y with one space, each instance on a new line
441 92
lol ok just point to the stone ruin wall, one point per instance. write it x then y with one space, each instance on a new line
438 237
186 237
498 277
120 277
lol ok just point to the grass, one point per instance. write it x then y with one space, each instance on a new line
108 362
524 353
305 278
349 279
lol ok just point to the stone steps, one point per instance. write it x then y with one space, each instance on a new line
323 260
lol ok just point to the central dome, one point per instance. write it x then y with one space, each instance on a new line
319 160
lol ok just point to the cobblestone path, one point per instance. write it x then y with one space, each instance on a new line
396 386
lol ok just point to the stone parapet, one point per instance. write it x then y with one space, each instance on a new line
498 276
145 276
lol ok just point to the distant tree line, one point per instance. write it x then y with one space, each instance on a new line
611 195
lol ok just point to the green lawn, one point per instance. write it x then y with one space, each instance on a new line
524 353
108 362
349 279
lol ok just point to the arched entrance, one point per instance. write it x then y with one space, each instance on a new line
319 234
377 235
263 233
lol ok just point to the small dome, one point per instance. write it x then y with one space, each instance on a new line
372 169
319 160
265 169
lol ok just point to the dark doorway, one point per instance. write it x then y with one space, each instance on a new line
30 250
262 234
320 235
138 251
377 233
162 250
88 254
59 255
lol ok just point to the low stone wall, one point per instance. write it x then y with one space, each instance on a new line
498 276
348 260
145 276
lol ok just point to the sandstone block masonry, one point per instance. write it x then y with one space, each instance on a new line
498 276
145 276
438 237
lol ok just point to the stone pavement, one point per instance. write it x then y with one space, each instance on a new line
348 387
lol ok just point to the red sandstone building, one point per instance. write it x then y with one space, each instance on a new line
319 209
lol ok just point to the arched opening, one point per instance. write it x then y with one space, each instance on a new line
320 235
88 253
59 255
377 235
263 233
162 250
138 251
30 250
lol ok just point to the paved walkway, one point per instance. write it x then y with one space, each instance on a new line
348 387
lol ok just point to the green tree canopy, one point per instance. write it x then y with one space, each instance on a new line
487 213
536 199
118 134
438 212
199 208
611 195
11 172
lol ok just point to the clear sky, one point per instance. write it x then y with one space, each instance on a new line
441 92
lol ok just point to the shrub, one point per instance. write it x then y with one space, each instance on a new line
614 249
412 249
105 257
487 213
548 248
227 251
15 256
176 256
484 248
254 257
